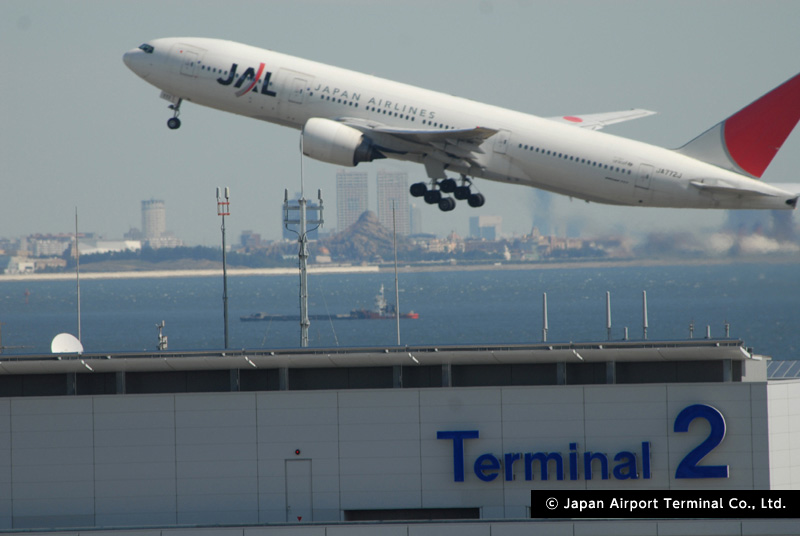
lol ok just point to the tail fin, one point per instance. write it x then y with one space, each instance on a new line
747 141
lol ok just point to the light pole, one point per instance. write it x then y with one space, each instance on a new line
223 209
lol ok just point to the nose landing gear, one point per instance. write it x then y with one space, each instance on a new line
173 122
462 192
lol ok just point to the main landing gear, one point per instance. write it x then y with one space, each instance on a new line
461 192
173 122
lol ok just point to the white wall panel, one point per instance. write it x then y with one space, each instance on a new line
530 528
135 460
6 513
216 458
53 451
618 528
717 527
350 530
783 400
379 449
450 529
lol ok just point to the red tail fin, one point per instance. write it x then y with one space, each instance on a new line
750 138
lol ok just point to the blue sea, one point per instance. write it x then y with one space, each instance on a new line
758 301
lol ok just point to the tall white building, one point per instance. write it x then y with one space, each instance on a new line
154 226
393 191
352 195
154 219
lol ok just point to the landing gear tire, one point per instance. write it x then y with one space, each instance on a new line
448 186
418 189
432 197
476 200
461 193
447 204
173 122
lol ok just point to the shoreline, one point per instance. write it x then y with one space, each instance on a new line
316 270
159 274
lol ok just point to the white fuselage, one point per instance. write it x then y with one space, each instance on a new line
526 150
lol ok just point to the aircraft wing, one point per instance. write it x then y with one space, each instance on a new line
598 121
446 146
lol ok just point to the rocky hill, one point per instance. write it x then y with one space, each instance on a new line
366 240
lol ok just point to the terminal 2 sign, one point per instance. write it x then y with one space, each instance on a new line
624 465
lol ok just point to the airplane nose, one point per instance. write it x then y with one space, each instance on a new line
137 62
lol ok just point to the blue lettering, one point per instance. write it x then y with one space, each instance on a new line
231 76
588 457
543 459
573 461
487 462
689 468
250 73
458 437
265 87
510 458
626 469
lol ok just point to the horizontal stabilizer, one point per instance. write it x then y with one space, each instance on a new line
750 189
722 187
598 121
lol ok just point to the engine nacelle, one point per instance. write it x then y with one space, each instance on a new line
336 143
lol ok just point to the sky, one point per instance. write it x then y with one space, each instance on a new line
78 130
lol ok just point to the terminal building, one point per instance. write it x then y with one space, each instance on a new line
388 441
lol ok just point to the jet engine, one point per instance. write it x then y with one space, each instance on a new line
336 143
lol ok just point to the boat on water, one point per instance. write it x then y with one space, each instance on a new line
381 311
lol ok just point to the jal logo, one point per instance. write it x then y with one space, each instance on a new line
248 80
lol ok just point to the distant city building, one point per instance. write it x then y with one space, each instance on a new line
154 226
92 247
393 192
352 195
541 210
154 219
485 227
20 265
415 219
133 234
49 245
312 214
250 240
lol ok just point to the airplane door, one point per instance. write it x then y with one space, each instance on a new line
298 93
501 141
644 176
189 58
298 491
500 163
189 63
292 90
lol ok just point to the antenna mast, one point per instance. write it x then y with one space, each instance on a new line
396 283
302 239
223 209
78 272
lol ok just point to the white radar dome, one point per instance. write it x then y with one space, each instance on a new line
64 343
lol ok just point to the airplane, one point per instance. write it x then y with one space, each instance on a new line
347 118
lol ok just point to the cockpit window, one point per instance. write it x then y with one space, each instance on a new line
147 48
